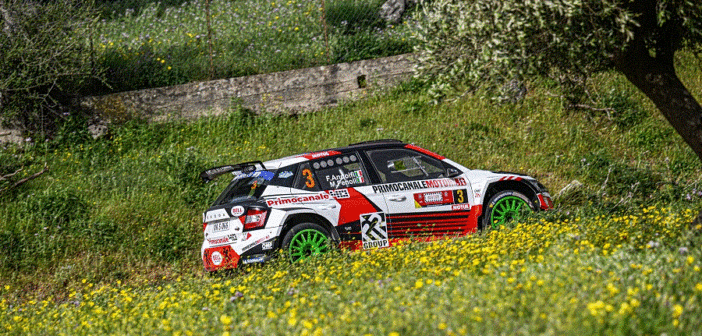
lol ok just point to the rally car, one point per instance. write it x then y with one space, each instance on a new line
367 195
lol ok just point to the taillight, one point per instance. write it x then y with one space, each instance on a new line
255 218
204 226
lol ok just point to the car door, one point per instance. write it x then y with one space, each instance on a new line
422 201
361 213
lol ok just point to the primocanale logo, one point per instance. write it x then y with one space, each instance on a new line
298 199
415 185
218 240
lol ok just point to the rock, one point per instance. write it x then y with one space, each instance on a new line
392 10
98 129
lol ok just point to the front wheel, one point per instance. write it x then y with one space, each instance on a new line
305 240
506 206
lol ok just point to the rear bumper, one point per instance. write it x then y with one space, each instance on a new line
221 257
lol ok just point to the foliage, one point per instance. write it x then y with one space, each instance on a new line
490 42
45 60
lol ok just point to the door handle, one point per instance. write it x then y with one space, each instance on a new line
397 198
327 207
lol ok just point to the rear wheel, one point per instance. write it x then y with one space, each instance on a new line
505 207
305 240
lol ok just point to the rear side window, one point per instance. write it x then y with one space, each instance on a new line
306 179
343 171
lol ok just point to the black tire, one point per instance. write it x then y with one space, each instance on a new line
306 239
504 207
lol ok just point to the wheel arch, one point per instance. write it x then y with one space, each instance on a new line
499 186
522 187
307 217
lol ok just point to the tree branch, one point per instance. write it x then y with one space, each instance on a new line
25 180
5 177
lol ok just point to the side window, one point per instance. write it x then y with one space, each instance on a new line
398 165
343 171
305 179
285 176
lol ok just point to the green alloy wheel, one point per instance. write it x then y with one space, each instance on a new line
505 207
305 240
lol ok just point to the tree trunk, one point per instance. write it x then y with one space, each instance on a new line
656 78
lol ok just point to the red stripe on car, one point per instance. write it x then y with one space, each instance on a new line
427 152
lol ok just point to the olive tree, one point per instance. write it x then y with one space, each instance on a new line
489 42
45 59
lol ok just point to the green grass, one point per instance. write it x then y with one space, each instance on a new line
123 213
151 44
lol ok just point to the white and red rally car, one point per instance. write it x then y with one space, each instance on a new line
364 196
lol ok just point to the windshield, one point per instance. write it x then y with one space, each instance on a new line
244 187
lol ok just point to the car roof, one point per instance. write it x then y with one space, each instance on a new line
371 144
288 160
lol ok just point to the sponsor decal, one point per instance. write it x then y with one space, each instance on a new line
267 245
417 185
260 240
232 238
343 180
317 155
259 173
339 193
237 211
298 199
217 241
464 206
254 259
436 198
216 258
374 230
285 174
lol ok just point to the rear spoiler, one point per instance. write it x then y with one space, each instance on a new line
245 167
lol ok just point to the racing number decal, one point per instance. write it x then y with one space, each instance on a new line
459 196
308 174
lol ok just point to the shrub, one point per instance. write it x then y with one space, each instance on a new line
45 60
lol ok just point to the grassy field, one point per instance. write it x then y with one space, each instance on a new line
146 44
600 275
107 241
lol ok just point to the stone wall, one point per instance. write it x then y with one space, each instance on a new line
280 92
291 91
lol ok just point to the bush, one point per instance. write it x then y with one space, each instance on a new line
45 61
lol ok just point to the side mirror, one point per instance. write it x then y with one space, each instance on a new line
452 172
